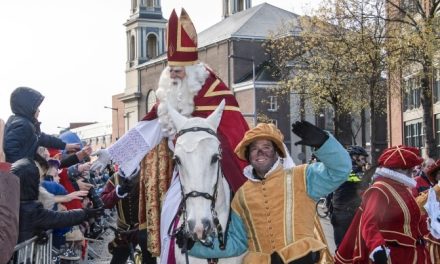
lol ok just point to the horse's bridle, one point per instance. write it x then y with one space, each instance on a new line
183 229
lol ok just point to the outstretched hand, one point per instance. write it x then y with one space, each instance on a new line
310 135
93 212
102 161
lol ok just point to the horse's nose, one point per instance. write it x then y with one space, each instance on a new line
206 224
201 230
191 225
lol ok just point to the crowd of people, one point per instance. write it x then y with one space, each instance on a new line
381 215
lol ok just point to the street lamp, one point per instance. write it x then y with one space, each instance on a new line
253 83
117 118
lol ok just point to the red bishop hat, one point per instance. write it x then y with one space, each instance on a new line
400 157
181 40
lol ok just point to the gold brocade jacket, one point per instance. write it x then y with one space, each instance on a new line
274 222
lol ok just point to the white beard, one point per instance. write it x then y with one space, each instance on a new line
179 93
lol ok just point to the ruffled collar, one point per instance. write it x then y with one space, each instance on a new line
396 176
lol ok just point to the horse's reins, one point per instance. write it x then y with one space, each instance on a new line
194 194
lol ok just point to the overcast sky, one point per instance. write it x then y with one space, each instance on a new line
74 52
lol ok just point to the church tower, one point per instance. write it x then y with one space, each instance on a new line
231 7
145 32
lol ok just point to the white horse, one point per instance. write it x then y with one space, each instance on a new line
204 210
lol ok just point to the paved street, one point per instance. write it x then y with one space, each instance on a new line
98 249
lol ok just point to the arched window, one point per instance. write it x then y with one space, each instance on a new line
150 3
151 100
132 48
151 46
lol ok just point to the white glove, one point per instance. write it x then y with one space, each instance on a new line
102 161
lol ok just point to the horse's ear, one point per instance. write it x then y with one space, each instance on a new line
215 117
178 119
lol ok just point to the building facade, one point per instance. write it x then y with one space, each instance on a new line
406 123
233 49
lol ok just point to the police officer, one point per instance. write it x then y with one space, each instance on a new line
347 198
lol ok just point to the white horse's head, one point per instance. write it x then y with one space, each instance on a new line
197 155
432 207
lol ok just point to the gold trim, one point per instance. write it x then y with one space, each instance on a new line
182 63
212 93
179 40
405 210
213 107
143 226
288 208
248 220
382 191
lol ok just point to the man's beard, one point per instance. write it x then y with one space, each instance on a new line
179 93
180 97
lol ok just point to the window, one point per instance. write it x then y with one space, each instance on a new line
414 134
437 132
412 93
273 103
408 135
436 86
274 121
151 100
150 3
151 46
132 48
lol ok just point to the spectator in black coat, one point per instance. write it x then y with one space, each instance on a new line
33 217
22 131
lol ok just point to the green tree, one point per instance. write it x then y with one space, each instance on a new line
413 37
337 60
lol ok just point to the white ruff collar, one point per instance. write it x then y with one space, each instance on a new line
396 176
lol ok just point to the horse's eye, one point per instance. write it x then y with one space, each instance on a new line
438 219
177 160
215 158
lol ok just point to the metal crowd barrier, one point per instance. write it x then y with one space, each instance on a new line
30 251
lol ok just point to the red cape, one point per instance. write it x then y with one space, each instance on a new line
231 129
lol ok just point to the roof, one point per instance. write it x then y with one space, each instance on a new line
253 23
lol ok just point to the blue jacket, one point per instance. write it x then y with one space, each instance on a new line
22 130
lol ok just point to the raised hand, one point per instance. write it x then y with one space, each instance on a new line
310 135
